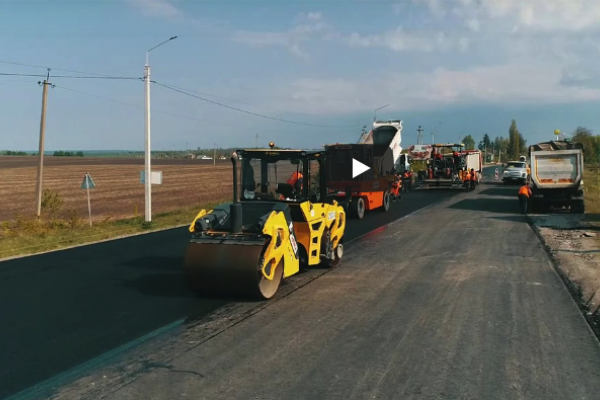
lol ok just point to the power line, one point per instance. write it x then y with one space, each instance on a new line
238 101
250 112
73 77
56 69
162 111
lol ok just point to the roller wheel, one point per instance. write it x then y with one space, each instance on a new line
357 207
386 201
269 288
330 256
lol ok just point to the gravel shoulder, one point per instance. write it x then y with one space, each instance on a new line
574 244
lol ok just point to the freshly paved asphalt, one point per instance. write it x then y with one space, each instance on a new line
460 301
61 309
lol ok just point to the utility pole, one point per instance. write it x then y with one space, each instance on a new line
420 137
147 150
215 155
44 85
256 141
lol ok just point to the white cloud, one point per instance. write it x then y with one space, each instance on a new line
547 15
158 8
308 26
510 83
434 6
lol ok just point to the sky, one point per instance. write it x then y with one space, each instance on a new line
299 73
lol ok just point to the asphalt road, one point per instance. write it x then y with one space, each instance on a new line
460 301
61 309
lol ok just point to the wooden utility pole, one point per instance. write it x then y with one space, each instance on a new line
215 155
256 141
45 85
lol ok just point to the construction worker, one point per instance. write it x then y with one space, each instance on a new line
473 178
467 179
406 181
524 195
296 181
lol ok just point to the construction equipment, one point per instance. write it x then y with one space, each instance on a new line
474 161
557 176
271 230
446 168
375 188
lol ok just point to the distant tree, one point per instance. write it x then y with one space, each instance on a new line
522 145
485 143
79 154
469 142
514 144
501 147
590 143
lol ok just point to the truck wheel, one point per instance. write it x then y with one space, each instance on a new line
578 207
357 207
386 201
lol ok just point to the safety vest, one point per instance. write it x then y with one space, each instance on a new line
474 176
294 178
468 176
525 190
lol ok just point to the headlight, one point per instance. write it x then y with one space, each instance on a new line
524 175
505 172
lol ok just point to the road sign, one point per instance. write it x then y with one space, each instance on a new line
358 168
497 174
155 177
87 184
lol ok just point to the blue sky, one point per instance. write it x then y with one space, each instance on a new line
459 67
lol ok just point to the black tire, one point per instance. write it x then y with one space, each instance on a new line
357 208
386 201
577 207
335 254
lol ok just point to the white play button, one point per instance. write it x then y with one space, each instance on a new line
358 168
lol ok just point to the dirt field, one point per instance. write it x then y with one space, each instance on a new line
50 161
118 192
118 188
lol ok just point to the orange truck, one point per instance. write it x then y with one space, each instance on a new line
377 187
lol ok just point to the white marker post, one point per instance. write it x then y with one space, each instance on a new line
87 184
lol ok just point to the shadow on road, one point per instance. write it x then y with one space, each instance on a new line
174 285
512 218
504 206
500 191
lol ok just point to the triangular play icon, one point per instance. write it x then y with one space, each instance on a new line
358 168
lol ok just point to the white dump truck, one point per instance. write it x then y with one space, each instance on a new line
556 176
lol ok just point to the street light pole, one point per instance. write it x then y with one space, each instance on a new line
147 150
375 113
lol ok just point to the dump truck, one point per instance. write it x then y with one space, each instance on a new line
556 176
281 220
380 149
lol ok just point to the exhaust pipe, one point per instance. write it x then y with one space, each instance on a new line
236 207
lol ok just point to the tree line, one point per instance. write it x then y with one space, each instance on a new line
61 153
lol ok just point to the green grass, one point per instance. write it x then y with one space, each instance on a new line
30 235
591 181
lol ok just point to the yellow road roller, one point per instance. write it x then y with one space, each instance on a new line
281 220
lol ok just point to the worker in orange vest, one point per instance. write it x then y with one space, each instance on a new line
524 195
473 178
296 181
406 181
467 179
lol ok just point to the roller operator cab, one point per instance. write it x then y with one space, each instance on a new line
280 220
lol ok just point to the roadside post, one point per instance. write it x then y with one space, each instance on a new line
87 184
497 174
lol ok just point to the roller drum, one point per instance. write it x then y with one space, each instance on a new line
229 268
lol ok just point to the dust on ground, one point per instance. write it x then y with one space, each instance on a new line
574 244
